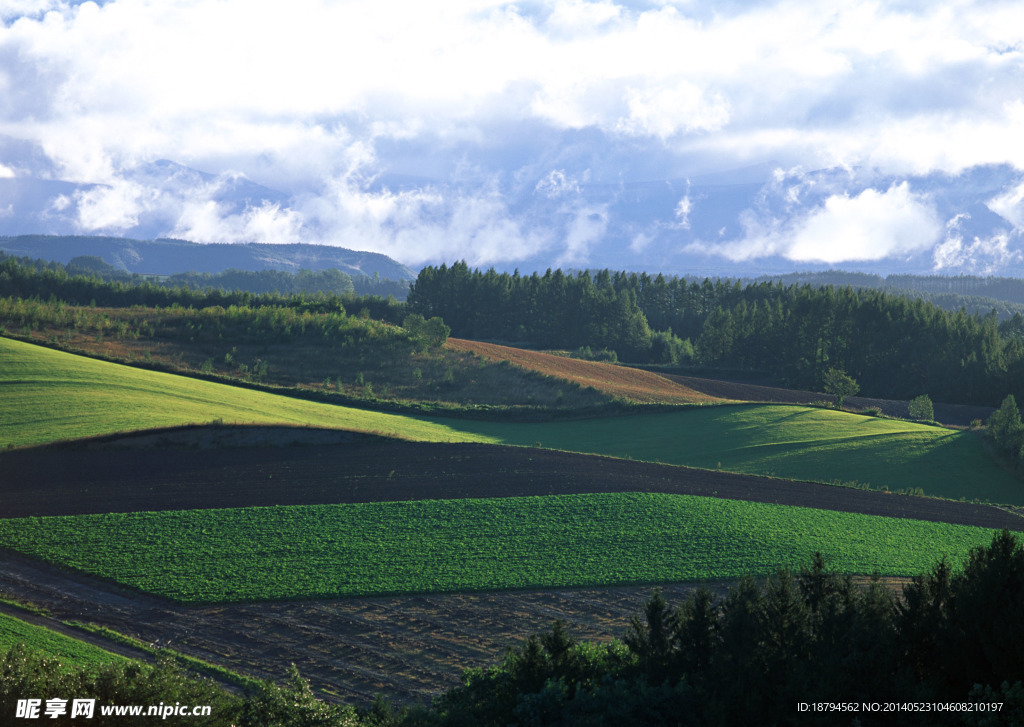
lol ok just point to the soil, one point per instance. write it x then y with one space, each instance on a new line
622 382
407 648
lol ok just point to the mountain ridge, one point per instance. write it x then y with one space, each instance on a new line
169 256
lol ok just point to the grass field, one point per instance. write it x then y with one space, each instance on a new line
791 442
48 395
467 545
72 652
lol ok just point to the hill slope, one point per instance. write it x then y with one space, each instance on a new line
166 257
622 382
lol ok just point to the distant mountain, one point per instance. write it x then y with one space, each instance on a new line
166 257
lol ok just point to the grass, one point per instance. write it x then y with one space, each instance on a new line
467 545
73 652
48 395
792 442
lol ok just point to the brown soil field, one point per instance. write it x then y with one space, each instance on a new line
621 382
954 414
407 648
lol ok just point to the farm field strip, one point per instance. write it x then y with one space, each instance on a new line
47 395
72 652
117 477
619 381
791 442
322 551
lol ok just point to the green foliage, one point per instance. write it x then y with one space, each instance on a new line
427 333
294 705
839 384
588 354
554 310
1004 428
921 408
27 674
467 545
72 652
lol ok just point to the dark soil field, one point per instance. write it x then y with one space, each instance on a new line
111 476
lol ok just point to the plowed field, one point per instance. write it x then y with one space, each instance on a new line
618 381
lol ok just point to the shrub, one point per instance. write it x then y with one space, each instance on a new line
921 408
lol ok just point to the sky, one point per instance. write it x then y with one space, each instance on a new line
438 131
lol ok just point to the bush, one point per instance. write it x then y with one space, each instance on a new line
921 408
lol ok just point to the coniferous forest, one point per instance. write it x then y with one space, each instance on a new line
893 346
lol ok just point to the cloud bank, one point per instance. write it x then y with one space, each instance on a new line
418 129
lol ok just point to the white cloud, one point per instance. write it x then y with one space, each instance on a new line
109 209
1010 205
869 226
682 213
6 172
588 226
556 184
981 256
207 221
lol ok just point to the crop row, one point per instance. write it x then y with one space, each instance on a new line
463 545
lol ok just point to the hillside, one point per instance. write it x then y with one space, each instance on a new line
166 257
793 442
622 382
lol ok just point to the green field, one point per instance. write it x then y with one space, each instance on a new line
792 442
466 545
72 652
49 395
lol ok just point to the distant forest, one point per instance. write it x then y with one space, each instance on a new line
893 346
974 294
77 284
302 282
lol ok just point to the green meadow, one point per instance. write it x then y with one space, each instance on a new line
49 395
791 442
72 652
322 551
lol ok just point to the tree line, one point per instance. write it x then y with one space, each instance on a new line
77 285
893 346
